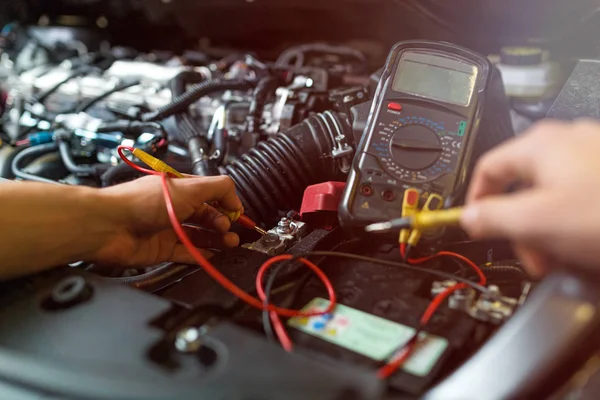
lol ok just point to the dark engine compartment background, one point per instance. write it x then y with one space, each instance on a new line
268 26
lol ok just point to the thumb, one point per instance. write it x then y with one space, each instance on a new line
519 216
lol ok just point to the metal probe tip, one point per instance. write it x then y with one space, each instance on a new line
379 227
389 226
261 231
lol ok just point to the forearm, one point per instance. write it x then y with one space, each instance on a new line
43 225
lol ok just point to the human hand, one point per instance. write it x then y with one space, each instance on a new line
553 219
141 231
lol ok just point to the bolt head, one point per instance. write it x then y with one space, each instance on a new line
188 340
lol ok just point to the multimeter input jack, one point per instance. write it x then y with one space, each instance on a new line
388 195
366 190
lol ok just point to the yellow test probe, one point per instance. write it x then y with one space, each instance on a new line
410 206
420 220
434 202
160 166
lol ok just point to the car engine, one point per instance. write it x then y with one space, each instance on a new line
286 129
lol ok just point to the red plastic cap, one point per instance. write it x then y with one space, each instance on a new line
246 222
324 196
412 197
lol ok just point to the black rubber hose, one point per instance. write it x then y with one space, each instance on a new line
219 146
186 126
189 131
88 104
273 177
65 153
264 88
26 156
202 164
195 93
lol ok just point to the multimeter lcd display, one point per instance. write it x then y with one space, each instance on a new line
435 77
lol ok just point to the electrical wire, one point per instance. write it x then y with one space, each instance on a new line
477 286
64 149
224 281
85 106
24 156
428 313
410 346
40 97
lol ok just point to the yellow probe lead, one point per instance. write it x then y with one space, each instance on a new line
436 219
434 202
410 205
160 166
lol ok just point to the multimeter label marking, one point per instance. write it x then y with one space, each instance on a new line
369 335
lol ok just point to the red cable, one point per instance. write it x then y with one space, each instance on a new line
387 370
22 142
232 287
482 278
275 312
132 164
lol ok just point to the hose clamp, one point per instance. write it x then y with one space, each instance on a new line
343 152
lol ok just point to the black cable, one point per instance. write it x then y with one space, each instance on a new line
133 127
128 280
462 269
29 154
266 321
65 153
40 97
195 93
276 271
434 272
86 105
292 297
187 127
264 88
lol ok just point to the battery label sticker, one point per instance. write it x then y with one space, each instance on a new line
369 335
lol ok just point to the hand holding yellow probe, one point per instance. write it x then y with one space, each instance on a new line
160 166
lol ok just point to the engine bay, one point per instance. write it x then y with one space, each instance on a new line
289 132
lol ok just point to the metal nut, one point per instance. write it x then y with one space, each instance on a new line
188 340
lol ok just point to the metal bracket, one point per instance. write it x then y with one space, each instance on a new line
343 152
492 307
279 238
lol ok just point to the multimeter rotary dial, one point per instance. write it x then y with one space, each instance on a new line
415 147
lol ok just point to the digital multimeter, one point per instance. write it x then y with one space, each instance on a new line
437 107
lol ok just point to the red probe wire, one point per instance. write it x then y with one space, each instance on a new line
274 311
132 164
387 370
